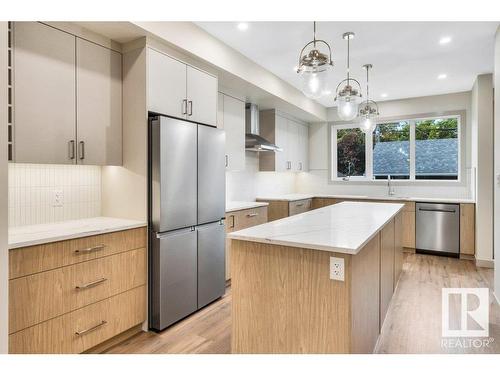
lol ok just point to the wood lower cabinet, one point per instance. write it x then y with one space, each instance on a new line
386 268
237 220
281 209
68 296
398 247
467 229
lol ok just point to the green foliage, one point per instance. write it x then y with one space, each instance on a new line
436 129
350 152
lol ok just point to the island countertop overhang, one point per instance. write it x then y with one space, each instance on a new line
341 228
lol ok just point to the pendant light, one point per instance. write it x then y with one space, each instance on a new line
368 110
348 97
314 68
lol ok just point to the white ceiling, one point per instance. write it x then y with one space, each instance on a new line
406 56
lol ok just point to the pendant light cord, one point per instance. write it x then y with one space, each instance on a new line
314 33
348 39
367 86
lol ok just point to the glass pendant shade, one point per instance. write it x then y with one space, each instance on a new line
347 107
315 84
314 68
347 96
367 124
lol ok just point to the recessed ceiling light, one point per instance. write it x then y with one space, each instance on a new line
445 40
442 76
242 26
384 95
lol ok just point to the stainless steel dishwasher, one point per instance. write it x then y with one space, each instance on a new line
438 228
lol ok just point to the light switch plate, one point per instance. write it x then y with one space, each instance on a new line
337 268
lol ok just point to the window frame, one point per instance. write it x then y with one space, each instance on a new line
412 120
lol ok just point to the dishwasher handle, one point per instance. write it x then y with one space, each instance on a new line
437 210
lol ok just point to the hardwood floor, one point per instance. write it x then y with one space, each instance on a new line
412 325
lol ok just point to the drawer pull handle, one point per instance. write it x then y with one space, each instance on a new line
80 333
252 214
232 221
90 249
91 284
299 204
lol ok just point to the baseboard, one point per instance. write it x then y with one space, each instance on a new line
485 263
408 250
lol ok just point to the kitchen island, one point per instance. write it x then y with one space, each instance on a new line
286 294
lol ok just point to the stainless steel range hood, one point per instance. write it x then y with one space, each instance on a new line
253 141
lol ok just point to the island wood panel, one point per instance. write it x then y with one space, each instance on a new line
398 247
285 302
58 335
386 268
365 296
237 220
276 209
467 229
42 296
409 229
38 258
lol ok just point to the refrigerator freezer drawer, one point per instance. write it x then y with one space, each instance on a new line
173 277
211 262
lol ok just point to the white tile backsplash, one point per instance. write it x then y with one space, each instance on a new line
32 188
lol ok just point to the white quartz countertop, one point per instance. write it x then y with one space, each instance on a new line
342 228
287 197
30 235
232 206
294 197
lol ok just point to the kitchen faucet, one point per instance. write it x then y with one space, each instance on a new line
389 186
349 164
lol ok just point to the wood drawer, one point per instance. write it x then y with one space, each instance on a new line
323 202
245 218
46 295
58 335
28 260
297 207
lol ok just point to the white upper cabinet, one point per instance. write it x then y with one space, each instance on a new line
99 104
288 134
179 90
166 85
67 98
233 113
44 94
201 96
220 110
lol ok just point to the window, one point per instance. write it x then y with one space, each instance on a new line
436 149
351 159
417 149
391 150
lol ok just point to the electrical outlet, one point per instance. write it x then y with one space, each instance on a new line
337 268
57 198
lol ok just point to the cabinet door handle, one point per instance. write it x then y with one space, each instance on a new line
300 165
90 249
91 284
81 150
184 106
71 149
227 161
232 221
252 214
80 333
190 106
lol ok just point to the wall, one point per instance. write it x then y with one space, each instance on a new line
124 189
496 178
317 180
4 252
32 188
482 161
250 183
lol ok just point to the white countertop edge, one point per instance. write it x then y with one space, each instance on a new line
298 196
70 236
239 206
349 251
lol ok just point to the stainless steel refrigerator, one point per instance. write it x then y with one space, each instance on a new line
186 212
